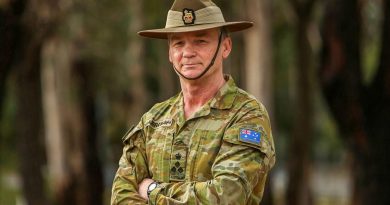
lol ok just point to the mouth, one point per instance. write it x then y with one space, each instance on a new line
189 65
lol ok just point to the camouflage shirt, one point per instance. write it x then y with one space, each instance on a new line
221 155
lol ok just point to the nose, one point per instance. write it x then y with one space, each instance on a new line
188 51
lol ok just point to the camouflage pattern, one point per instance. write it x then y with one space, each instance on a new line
200 160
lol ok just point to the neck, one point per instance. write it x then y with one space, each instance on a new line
196 94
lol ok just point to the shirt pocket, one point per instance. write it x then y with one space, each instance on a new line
156 148
204 153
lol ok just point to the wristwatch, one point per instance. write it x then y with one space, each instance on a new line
151 187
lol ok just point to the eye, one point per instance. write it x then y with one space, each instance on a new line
200 41
177 44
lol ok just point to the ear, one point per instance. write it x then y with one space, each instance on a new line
226 47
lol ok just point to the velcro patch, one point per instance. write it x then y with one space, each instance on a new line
249 136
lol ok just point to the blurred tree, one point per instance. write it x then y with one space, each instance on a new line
235 65
258 59
25 27
298 190
75 169
30 27
361 110
55 64
258 45
161 80
71 86
10 15
135 65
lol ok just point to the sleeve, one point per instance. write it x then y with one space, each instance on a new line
132 170
239 171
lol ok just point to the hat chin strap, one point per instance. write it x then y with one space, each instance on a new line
208 67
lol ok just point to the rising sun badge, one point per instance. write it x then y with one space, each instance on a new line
188 16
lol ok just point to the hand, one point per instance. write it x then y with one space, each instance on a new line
143 187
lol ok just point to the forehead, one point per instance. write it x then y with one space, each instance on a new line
202 33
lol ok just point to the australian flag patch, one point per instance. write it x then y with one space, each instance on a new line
250 136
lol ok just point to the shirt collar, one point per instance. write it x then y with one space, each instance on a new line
223 99
226 95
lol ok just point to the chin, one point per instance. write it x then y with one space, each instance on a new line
191 73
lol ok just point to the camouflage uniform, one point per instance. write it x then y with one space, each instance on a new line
202 160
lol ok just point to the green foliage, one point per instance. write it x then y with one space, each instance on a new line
7 133
8 161
327 146
8 195
102 30
371 34
283 41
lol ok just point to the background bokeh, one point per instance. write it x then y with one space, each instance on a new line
74 76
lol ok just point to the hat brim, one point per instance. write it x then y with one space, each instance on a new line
163 33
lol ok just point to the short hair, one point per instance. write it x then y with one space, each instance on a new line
225 33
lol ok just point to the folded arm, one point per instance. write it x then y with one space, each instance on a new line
132 170
238 173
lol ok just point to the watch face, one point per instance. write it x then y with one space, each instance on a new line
152 186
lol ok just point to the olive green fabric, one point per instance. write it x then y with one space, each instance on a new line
200 160
194 15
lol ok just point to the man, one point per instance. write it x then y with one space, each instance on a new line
211 143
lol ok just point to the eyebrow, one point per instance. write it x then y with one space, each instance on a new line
173 37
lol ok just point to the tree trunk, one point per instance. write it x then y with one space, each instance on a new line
135 66
83 180
70 111
88 174
71 124
23 41
258 45
29 131
55 66
362 112
259 68
9 32
298 190
29 119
